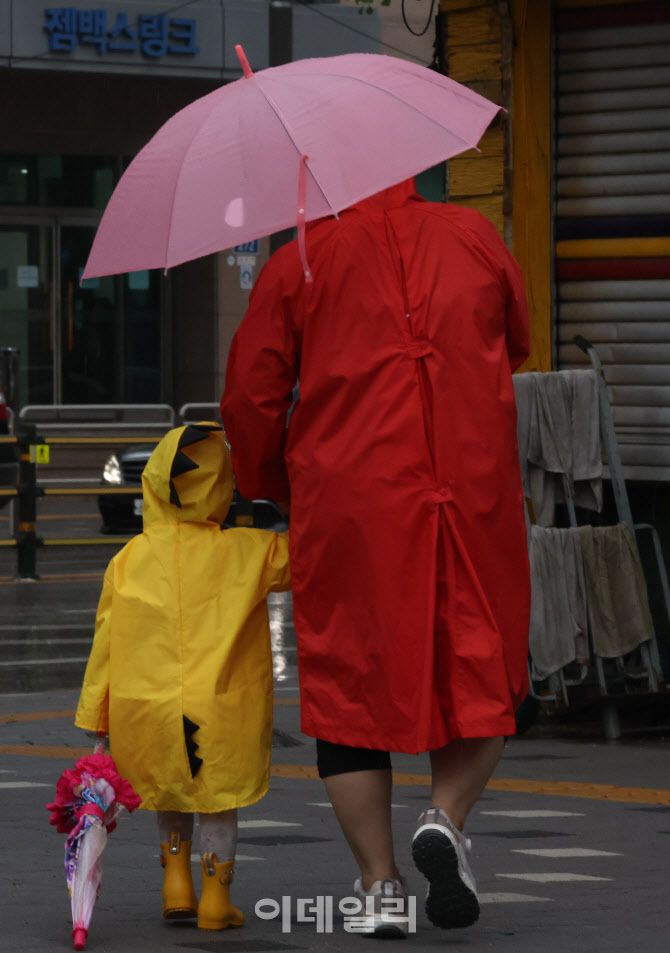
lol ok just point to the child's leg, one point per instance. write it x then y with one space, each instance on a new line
218 843
218 834
174 822
176 834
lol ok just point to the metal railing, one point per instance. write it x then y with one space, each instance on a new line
28 491
97 417
112 425
187 413
109 425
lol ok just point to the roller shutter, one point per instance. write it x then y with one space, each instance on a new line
612 214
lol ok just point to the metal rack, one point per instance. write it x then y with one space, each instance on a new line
608 682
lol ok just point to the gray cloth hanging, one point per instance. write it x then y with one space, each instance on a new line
616 588
558 431
558 614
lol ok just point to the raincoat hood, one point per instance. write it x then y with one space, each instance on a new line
189 477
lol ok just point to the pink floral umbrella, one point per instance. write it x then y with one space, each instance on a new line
89 799
278 148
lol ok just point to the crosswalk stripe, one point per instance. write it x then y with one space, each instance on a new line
512 898
553 877
262 823
538 813
83 642
45 627
328 804
46 661
195 858
565 852
23 784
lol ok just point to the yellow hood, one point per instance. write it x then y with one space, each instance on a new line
189 477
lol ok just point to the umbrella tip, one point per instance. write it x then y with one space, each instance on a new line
79 936
244 62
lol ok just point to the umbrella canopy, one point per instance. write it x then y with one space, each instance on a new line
280 147
89 798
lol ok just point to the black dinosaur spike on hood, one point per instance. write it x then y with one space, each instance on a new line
188 476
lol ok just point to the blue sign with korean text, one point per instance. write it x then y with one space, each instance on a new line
152 34
248 248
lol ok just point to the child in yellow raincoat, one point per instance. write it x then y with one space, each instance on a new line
180 672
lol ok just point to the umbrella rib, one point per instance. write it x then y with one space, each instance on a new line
174 193
301 152
386 92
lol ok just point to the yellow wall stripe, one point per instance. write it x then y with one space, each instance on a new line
613 248
569 4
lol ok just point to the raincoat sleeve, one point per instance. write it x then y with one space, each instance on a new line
517 334
261 374
93 709
277 571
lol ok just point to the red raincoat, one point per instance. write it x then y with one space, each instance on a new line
408 543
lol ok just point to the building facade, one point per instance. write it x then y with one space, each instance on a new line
575 176
84 86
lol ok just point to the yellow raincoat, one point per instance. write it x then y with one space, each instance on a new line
180 672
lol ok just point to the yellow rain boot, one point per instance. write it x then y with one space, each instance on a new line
215 911
179 899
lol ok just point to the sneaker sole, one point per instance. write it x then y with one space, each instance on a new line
386 931
450 903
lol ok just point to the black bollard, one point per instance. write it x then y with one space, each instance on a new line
27 540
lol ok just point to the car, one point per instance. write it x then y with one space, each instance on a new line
9 460
122 512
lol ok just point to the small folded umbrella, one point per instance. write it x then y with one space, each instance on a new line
89 799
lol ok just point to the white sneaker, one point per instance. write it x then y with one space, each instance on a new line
384 913
439 850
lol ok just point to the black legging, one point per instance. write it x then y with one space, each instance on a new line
341 759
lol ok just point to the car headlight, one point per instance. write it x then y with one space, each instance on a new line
112 471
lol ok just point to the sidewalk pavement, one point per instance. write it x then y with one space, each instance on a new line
570 848
570 839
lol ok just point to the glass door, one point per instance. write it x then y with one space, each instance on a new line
91 343
28 307
94 342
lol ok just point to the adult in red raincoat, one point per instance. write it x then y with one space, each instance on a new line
408 542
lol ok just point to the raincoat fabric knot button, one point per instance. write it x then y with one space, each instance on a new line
419 347
440 494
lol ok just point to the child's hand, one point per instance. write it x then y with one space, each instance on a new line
100 742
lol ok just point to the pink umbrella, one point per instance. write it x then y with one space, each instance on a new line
280 147
89 799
